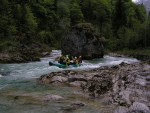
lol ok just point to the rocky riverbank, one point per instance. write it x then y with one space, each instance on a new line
23 53
22 57
126 86
17 58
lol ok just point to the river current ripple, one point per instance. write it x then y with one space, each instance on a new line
19 79
35 69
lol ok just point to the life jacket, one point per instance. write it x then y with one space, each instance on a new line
76 61
68 61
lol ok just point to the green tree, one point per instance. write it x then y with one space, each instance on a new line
98 12
76 15
119 15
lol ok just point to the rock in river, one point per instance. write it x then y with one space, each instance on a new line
83 40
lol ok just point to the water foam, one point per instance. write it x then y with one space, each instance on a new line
36 69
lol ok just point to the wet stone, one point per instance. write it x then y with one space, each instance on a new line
126 85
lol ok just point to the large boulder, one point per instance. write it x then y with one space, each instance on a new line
83 40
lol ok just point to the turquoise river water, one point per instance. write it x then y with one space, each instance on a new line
20 92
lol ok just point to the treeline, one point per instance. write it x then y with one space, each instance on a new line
121 23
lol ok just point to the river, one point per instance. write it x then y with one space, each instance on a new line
20 92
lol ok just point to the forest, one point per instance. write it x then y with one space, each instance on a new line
42 24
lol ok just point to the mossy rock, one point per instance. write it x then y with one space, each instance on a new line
85 26
83 41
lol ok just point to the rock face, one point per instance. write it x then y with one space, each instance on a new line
125 85
98 84
82 40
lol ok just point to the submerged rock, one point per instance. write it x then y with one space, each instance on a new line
77 83
78 104
73 107
52 97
